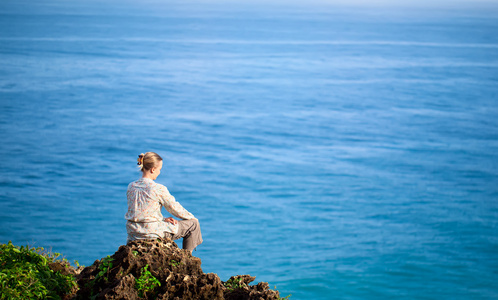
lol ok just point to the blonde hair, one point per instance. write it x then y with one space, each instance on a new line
148 161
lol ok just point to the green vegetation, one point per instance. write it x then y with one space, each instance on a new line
237 283
146 282
234 283
104 268
77 264
25 274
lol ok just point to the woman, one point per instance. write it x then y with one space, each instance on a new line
145 198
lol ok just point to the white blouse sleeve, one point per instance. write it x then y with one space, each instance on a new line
171 205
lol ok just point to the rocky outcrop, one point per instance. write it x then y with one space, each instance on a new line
160 270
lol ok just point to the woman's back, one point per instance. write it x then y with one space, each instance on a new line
144 205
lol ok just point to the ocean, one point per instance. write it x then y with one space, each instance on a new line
336 151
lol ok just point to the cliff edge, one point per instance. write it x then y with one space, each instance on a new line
160 270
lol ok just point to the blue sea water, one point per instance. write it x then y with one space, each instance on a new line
335 151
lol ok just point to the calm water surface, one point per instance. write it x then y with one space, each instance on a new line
335 152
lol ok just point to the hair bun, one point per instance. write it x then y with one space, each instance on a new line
140 160
148 161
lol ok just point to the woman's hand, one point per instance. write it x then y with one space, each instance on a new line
171 220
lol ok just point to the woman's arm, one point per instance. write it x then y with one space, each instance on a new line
171 205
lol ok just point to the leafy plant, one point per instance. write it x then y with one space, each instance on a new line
104 268
146 282
25 274
234 283
77 264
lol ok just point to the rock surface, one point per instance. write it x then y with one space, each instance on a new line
129 274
